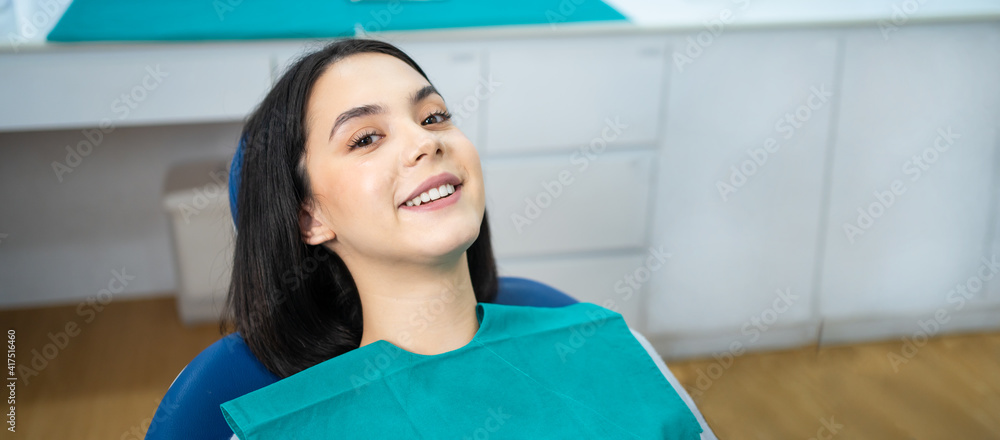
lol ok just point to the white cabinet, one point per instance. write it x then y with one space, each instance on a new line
755 105
555 204
195 198
562 94
129 87
919 112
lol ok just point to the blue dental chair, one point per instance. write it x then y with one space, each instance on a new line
227 369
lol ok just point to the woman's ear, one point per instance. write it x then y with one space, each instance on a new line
314 231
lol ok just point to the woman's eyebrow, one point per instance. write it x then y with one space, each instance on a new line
377 109
357 112
423 93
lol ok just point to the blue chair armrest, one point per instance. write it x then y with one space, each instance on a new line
224 371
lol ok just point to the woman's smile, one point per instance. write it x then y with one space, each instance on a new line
435 192
437 198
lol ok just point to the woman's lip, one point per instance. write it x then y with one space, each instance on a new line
436 204
433 182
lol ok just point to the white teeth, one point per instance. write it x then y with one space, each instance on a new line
432 194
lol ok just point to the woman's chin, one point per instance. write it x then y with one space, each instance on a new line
441 246
442 235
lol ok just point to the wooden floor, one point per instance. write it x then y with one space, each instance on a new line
105 382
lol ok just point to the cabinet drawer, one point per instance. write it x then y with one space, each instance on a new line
556 95
129 87
545 205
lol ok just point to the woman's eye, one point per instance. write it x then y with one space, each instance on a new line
364 140
436 117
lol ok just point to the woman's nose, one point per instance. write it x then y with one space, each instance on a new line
422 144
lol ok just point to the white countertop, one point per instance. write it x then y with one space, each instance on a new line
692 13
27 22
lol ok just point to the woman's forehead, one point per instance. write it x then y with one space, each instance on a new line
366 78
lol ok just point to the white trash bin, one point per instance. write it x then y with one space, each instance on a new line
196 195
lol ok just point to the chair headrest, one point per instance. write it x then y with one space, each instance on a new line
234 181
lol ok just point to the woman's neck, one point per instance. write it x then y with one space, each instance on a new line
422 310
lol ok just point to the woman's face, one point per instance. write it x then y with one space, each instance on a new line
378 138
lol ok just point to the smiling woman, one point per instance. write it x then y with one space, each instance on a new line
352 167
